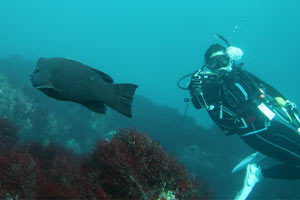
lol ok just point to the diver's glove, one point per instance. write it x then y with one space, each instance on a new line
295 115
285 103
290 109
290 104
196 81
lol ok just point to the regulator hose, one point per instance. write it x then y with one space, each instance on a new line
182 78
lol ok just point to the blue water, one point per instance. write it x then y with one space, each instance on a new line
153 43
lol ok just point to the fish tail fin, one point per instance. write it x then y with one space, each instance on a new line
124 97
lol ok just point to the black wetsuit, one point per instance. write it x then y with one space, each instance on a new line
232 100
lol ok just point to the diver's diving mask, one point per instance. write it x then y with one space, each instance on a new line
218 60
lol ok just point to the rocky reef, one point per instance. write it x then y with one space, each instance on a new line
129 166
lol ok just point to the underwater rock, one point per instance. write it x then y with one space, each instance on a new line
15 105
8 135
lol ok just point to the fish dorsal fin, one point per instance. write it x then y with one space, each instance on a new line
104 76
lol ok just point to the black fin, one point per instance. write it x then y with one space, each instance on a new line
124 96
95 106
51 91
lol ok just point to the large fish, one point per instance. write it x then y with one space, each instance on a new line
69 80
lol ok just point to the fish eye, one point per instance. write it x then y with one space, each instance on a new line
36 70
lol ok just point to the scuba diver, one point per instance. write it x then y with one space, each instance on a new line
240 103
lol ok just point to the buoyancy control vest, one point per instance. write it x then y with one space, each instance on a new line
229 102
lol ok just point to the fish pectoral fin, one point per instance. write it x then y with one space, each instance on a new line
95 106
51 91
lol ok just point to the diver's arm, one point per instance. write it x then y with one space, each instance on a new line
195 87
199 82
194 92
196 102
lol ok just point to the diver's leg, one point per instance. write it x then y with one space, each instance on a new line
281 171
279 142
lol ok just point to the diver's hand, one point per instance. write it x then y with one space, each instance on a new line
292 107
196 81
290 104
293 113
285 103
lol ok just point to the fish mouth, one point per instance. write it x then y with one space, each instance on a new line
32 80
38 86
34 84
